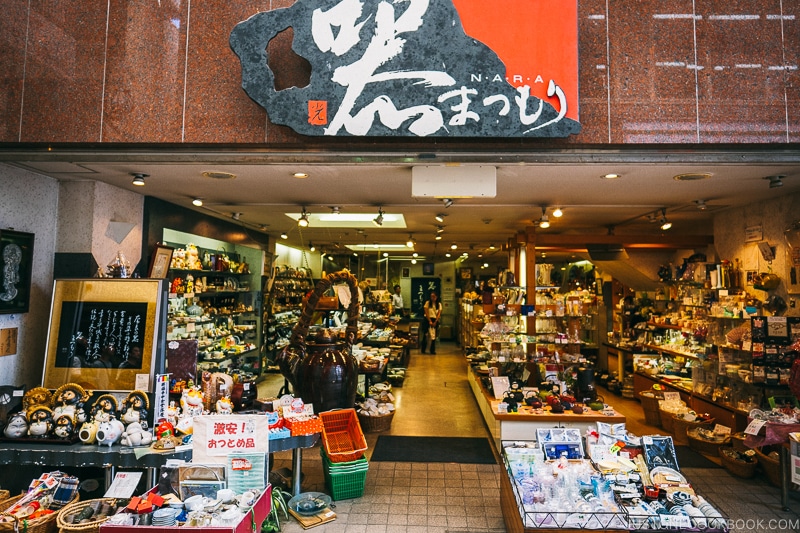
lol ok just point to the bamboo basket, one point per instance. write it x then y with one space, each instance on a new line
770 466
734 465
92 526
44 524
375 424
681 428
667 421
706 446
649 400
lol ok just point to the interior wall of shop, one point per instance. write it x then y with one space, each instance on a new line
92 72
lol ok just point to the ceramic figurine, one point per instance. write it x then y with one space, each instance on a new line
191 402
36 396
64 427
40 421
69 400
110 432
17 426
135 408
173 413
103 410
224 406
136 435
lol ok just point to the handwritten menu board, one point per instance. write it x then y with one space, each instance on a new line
101 334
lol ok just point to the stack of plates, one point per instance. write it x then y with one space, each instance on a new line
165 516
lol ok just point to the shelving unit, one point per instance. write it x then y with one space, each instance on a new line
283 304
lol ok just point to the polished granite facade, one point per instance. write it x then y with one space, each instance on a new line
679 71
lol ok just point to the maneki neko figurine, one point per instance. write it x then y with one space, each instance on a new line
135 408
68 400
40 421
224 406
103 410
191 402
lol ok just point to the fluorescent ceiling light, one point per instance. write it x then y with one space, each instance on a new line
351 220
376 246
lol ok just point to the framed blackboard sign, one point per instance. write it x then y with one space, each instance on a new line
421 289
104 334
16 262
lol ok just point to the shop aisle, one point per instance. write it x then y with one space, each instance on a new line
435 400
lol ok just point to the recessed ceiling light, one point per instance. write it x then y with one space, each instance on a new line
300 175
611 176
692 176
197 201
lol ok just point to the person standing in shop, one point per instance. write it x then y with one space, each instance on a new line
397 301
433 313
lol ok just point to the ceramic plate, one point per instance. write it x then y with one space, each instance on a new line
309 503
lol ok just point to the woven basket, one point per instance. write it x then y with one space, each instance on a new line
737 441
44 524
667 421
770 466
701 445
92 526
375 424
649 400
734 465
681 426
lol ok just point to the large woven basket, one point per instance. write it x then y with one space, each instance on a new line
92 526
770 465
681 426
667 421
44 524
649 400
734 465
375 424
705 446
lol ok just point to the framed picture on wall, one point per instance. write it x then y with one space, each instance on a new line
465 272
160 261
103 334
427 269
405 272
16 262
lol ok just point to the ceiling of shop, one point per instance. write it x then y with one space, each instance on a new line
264 190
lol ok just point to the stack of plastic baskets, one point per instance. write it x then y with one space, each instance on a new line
343 461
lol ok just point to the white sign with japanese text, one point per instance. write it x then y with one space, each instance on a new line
216 436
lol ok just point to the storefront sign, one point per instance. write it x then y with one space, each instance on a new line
439 68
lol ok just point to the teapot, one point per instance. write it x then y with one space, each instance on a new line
510 398
532 400
323 371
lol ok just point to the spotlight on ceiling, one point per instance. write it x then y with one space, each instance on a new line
775 181
447 202
236 216
665 224
440 217
335 210
300 175
197 202
491 246
284 235
558 212
438 237
410 241
453 246
138 178
701 205
544 222
303 220
311 247
378 220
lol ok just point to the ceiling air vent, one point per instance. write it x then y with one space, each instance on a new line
215 175
692 176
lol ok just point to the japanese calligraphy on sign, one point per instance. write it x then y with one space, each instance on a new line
418 68
218 435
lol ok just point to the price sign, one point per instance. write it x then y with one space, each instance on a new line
754 427
161 399
672 396
719 429
217 436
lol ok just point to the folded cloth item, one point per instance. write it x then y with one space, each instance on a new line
65 492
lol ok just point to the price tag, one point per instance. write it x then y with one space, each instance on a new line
124 485
719 429
617 446
754 427
500 385
672 396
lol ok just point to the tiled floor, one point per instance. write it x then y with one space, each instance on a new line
435 400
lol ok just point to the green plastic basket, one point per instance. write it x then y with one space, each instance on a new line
344 480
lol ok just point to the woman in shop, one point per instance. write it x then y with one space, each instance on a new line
433 312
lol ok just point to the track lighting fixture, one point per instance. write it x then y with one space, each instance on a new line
138 178
410 241
303 220
453 246
284 235
378 220
335 210
311 247
491 246
438 237
197 202
447 202
558 212
701 205
236 216
544 222
440 217
665 224
775 181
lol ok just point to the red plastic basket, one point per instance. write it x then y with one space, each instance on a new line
342 436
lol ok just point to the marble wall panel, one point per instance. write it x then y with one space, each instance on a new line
217 109
593 72
791 74
145 71
741 84
652 72
12 69
63 87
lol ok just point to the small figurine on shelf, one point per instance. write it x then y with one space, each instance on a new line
17 426
69 400
189 284
192 258
64 427
177 286
103 410
136 435
40 421
108 433
178 259
224 406
135 408
173 413
191 402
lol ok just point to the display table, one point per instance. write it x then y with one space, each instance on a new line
523 425
296 444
